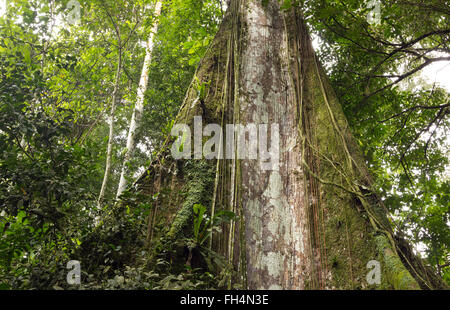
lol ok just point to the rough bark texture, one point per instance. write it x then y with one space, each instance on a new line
313 223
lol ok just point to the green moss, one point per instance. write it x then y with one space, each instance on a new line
397 275
199 186
340 168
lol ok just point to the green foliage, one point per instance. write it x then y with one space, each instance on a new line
402 127
202 88
187 28
56 84
56 81
204 225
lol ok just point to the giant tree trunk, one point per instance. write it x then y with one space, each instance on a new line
311 224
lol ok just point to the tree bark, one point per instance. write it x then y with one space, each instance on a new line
111 127
139 106
313 223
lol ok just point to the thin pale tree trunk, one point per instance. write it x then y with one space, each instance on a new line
114 98
139 106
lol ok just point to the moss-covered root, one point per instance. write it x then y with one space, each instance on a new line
397 275
199 186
